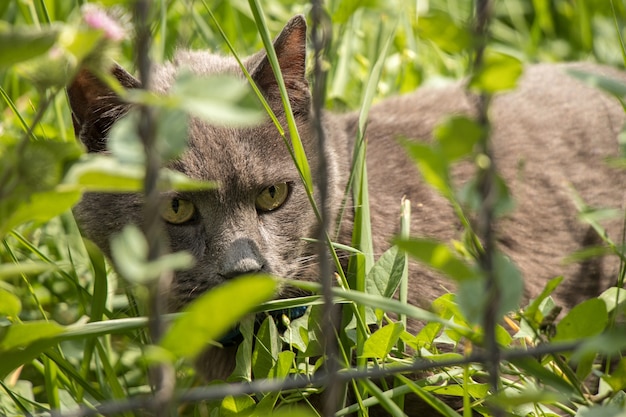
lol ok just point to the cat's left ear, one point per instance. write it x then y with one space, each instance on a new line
290 47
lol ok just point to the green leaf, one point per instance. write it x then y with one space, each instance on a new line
439 257
243 363
533 368
237 406
386 274
266 349
283 364
439 28
532 311
25 42
617 378
380 343
499 72
437 404
587 319
214 313
457 136
10 305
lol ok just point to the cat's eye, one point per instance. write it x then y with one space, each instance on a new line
272 197
176 210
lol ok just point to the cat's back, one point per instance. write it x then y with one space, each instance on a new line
551 137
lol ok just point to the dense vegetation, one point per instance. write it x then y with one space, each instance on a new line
73 333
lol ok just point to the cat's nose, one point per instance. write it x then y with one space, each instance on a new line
242 258
242 267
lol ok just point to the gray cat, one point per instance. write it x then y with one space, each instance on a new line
551 133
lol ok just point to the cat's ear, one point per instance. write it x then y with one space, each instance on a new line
290 47
95 106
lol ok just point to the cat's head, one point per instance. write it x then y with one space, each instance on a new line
256 219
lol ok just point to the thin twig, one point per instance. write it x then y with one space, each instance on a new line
488 195
319 37
161 376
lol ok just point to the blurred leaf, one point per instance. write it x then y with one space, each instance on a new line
266 348
614 297
30 191
102 173
21 342
440 28
380 343
25 42
499 72
610 85
457 136
473 389
13 270
293 411
41 207
10 305
469 196
432 165
587 319
473 297
608 343
171 134
601 411
222 99
130 252
439 257
214 313
507 400
347 8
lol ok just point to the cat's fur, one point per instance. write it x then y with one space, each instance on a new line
551 133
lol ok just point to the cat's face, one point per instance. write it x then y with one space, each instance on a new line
256 219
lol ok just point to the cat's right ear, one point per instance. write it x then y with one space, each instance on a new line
95 106
290 47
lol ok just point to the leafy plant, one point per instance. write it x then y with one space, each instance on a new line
73 333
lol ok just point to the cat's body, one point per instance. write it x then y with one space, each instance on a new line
552 132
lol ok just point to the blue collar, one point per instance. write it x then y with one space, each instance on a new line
234 336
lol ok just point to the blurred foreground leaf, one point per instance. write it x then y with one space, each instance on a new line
215 312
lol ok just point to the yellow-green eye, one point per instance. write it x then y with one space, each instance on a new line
177 211
272 197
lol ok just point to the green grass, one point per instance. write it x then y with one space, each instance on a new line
73 333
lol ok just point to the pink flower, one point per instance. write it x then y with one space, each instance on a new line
97 18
